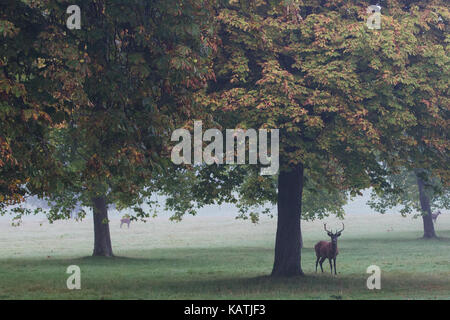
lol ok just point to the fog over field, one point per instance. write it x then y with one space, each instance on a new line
358 205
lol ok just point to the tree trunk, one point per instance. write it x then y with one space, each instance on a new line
102 238
301 238
288 237
428 226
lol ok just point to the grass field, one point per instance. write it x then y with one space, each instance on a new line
222 258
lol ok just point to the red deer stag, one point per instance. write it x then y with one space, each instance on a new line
328 250
435 215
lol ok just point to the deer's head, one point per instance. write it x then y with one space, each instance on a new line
332 235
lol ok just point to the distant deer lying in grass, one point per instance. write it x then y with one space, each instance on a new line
328 250
125 219
435 215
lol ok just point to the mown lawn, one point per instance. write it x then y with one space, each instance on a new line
220 258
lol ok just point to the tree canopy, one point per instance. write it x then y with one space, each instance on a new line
123 82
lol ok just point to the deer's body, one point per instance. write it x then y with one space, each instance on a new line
435 215
328 250
125 220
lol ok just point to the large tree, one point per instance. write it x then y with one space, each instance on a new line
134 66
330 84
413 191
423 88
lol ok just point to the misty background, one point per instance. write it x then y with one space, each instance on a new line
357 205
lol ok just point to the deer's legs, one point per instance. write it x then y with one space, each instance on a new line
334 262
331 265
317 262
320 262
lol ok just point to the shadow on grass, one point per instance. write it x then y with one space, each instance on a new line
153 259
310 286
116 261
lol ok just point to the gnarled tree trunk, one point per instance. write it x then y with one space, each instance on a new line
428 226
102 238
288 238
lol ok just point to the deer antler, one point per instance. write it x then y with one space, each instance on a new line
342 228
325 227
